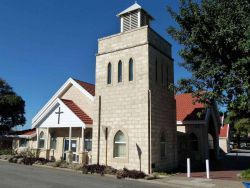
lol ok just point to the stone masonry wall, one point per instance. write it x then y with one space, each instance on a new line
163 118
123 105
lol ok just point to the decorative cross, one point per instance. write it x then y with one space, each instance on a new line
59 114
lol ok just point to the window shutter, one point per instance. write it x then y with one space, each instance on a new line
130 21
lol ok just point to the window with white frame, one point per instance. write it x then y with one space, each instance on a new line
88 140
119 145
41 140
53 140
23 143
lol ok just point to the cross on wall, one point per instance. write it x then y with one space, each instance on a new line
59 114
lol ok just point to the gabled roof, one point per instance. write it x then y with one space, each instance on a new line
132 8
224 131
77 111
187 109
87 86
71 116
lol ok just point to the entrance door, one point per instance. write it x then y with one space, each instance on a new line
73 149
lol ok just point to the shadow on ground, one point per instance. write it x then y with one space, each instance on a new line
227 168
230 162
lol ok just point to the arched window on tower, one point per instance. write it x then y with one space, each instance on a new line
163 145
156 71
167 72
163 81
109 74
194 144
131 70
119 144
120 71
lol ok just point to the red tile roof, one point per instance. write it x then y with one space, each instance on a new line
87 86
29 132
26 132
77 111
224 131
187 110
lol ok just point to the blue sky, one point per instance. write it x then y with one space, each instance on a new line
44 42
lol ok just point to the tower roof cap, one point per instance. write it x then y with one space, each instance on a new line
132 8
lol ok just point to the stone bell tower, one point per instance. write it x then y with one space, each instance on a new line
134 113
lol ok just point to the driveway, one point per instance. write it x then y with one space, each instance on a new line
21 176
226 168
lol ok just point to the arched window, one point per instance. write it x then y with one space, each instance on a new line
162 75
41 140
120 71
167 69
163 145
156 71
119 145
109 79
193 142
131 70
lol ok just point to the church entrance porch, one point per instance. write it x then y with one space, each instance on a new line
73 144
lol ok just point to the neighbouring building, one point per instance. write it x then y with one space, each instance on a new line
197 129
128 118
23 140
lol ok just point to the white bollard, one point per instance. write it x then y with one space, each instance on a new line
207 168
188 167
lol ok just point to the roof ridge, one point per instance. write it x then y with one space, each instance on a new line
66 100
83 81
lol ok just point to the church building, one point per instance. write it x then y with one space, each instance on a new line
128 118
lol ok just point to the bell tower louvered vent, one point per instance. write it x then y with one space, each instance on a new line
134 17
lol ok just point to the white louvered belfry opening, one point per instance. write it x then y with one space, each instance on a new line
130 21
134 20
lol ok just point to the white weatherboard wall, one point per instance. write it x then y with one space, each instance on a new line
67 118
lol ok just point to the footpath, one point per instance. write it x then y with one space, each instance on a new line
183 182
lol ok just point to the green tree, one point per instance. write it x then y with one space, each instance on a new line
11 108
215 39
242 126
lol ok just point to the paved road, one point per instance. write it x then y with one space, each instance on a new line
21 176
